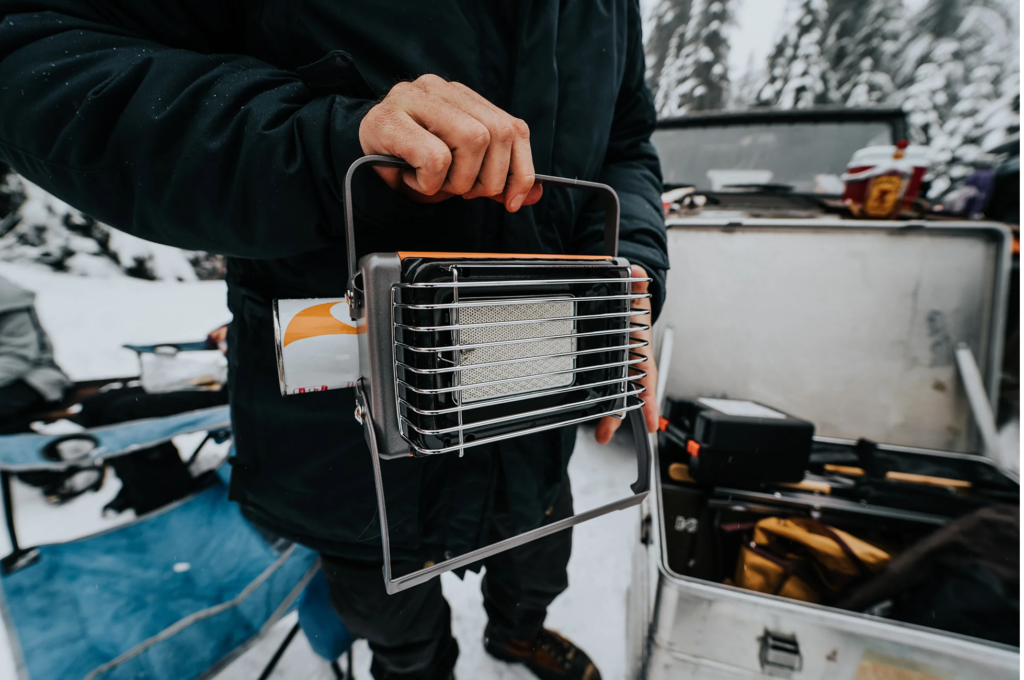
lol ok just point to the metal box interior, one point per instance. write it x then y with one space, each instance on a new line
850 325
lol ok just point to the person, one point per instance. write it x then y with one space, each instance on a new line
228 126
29 376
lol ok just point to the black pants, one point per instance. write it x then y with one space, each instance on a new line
410 632
17 400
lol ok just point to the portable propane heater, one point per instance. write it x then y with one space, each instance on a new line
457 350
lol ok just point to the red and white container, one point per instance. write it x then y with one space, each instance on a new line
882 180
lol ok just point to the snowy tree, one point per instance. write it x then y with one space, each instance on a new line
797 68
695 76
746 87
961 82
862 46
663 28
42 230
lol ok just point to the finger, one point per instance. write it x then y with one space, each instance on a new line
501 126
535 193
650 409
638 272
606 428
520 170
650 381
393 131
428 103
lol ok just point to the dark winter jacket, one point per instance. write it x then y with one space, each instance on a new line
227 125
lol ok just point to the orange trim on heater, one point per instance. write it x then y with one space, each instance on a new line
499 256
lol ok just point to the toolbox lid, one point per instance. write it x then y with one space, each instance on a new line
850 324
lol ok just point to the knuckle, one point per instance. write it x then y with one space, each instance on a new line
461 185
522 129
430 81
505 132
437 162
479 137
399 90
491 187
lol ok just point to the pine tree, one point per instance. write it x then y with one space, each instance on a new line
797 68
695 76
960 78
862 53
666 23
844 19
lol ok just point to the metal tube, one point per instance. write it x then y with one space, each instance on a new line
518 322
519 301
519 282
525 414
450 369
541 428
505 381
634 328
521 397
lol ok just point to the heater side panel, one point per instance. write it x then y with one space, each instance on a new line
378 273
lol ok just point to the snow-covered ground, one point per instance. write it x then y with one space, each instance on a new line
89 319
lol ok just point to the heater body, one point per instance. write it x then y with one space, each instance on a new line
459 350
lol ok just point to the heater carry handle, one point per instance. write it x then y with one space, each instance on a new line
643 451
611 204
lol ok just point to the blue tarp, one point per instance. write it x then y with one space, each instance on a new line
23 451
170 596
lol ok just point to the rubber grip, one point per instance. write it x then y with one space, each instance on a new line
644 454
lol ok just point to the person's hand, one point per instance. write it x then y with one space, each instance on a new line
219 338
607 426
457 142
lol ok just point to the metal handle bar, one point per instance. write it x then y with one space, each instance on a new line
611 204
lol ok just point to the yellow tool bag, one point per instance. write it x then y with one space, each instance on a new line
802 559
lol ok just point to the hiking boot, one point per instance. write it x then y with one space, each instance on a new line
549 655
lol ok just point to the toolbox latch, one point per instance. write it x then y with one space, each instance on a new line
780 654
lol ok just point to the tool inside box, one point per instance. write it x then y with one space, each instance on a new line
892 515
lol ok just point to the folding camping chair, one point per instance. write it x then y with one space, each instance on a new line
178 593
327 635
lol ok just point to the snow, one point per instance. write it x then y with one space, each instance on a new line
49 232
88 321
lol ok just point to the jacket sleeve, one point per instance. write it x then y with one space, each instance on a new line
19 345
138 113
631 167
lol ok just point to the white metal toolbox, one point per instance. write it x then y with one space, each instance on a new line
851 325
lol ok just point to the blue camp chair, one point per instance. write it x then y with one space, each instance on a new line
327 635
176 594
